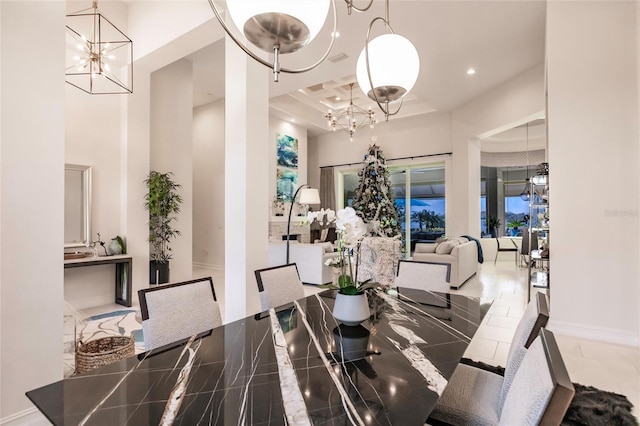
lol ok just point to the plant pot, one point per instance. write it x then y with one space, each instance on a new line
158 272
351 309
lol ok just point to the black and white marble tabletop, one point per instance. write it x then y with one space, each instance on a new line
292 365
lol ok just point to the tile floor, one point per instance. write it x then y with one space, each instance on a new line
606 366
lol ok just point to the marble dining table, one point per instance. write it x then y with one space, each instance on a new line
292 365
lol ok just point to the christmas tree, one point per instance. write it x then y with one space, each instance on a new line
373 201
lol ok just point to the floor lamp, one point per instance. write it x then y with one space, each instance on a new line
307 196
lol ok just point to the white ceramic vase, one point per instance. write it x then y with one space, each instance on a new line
351 309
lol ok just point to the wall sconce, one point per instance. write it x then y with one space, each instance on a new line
99 57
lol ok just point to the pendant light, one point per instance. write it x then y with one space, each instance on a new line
387 67
99 57
278 27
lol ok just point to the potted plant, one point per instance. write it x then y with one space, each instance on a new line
493 224
163 203
351 306
514 225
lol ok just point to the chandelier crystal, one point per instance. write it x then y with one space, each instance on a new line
99 58
351 118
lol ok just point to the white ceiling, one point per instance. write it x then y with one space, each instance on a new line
499 39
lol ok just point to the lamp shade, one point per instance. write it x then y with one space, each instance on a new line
394 65
289 23
309 196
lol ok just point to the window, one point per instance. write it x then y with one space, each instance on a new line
421 187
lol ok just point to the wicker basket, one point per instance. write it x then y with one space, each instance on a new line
103 351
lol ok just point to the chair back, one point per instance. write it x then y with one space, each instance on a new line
536 316
524 249
541 391
178 311
429 276
279 285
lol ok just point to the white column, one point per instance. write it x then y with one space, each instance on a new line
593 169
31 198
246 179
172 151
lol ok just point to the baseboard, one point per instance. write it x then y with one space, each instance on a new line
593 333
208 266
28 417
91 302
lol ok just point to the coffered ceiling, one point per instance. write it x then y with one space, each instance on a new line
499 39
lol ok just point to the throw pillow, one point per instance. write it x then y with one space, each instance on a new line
446 247
441 239
425 248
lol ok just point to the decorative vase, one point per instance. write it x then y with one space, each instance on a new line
114 247
351 309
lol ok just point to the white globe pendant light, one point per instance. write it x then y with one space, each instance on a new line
278 27
289 23
393 65
387 67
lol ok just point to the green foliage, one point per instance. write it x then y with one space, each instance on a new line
514 224
163 203
123 246
493 222
430 219
373 200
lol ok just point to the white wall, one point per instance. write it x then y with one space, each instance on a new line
92 137
172 151
208 185
31 199
593 122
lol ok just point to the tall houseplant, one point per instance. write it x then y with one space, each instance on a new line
163 203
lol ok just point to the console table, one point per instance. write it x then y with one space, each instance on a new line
123 264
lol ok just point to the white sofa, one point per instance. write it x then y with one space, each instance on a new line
460 253
309 258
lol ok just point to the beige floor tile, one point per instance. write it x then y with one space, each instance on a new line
505 322
502 353
495 333
480 347
498 310
617 354
515 313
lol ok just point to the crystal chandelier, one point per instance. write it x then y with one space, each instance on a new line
99 58
351 118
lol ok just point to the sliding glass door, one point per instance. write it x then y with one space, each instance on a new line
419 193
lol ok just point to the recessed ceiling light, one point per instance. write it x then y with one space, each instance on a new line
337 34
471 71
293 120
337 98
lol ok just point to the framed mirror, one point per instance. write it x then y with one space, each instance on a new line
77 205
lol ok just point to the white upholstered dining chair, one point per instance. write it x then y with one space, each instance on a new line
471 390
540 392
279 285
178 311
429 276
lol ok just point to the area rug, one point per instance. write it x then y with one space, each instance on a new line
117 323
590 406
